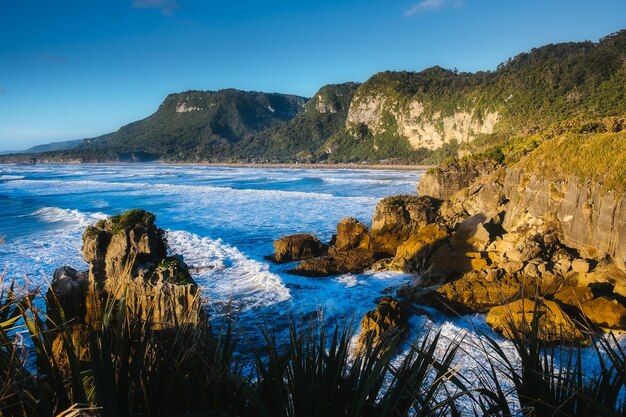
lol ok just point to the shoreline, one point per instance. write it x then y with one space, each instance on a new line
307 166
380 167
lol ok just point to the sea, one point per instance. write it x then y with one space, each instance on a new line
223 221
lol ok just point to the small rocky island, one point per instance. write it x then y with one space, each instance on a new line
127 257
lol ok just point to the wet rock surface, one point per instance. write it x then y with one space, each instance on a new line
296 248
380 325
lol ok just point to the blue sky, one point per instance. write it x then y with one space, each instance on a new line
75 69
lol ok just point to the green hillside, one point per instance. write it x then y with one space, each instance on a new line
197 125
528 93
303 137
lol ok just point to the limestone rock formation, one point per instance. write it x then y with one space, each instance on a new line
604 274
127 257
297 247
402 221
351 234
500 237
516 237
605 313
397 218
120 244
413 254
446 180
337 262
574 296
592 220
482 290
553 324
378 324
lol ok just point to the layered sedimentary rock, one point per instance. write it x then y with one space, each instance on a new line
127 257
393 242
351 234
446 180
592 220
489 236
297 247
559 240
517 319
399 217
379 325
336 262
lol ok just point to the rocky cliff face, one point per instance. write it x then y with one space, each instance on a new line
592 220
559 238
422 125
449 178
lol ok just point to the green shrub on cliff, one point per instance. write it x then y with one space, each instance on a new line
596 157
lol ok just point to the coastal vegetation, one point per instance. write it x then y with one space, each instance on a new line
599 158
593 150
120 366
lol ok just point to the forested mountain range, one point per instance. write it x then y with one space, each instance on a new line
407 117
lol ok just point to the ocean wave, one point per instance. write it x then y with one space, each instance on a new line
176 188
376 181
11 177
57 214
246 191
226 274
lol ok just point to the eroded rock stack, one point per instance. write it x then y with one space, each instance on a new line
127 257
404 233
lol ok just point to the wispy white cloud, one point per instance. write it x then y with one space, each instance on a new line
167 7
428 5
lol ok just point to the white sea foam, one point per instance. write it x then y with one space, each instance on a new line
373 181
226 273
349 280
91 185
11 177
56 214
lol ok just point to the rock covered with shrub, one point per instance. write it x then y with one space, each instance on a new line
127 257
